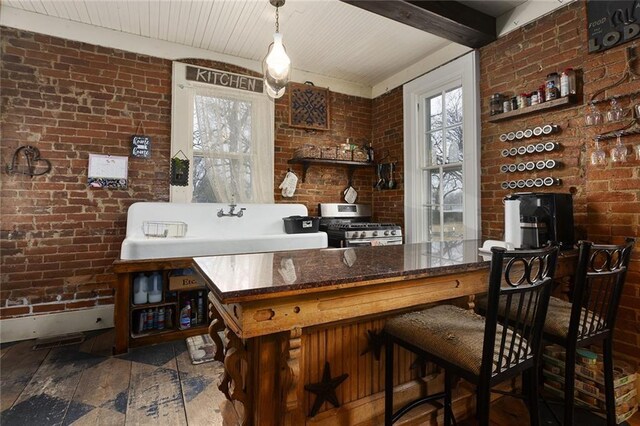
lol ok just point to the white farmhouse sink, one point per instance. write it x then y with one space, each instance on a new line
260 229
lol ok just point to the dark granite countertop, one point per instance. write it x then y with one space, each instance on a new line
234 277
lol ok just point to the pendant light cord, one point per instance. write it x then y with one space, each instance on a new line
277 20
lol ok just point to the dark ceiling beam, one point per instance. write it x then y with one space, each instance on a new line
447 19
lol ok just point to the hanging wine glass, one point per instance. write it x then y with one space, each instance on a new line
598 156
593 116
619 151
615 113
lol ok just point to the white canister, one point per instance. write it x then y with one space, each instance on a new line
155 288
140 289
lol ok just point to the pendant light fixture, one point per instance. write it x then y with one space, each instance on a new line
276 66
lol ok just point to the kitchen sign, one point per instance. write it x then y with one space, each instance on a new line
611 23
225 79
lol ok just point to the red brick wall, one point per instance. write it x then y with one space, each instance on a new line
388 143
58 238
606 199
350 118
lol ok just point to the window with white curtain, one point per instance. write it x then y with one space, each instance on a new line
442 161
227 134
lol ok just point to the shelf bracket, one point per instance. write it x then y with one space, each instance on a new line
305 167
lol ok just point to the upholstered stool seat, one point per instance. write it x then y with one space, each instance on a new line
558 316
456 335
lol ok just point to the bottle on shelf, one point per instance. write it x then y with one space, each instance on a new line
168 318
369 149
155 288
194 314
142 321
161 320
201 316
149 322
185 316
140 289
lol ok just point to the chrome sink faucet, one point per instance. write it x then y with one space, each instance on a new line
232 211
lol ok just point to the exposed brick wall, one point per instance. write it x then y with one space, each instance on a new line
350 117
70 99
388 143
59 238
606 199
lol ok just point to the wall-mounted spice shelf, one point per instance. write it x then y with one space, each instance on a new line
306 162
556 103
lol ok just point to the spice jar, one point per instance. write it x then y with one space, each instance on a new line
522 100
534 98
541 94
495 104
552 86
514 103
506 106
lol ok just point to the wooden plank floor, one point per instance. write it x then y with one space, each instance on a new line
84 385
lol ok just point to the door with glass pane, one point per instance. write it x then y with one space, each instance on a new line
442 165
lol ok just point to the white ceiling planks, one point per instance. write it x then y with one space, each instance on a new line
323 37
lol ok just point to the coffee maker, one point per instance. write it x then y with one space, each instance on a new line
532 219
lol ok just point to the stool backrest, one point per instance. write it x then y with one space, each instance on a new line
600 276
520 279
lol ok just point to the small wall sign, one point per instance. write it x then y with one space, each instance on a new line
611 23
141 146
225 79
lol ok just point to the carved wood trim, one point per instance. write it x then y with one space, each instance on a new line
216 327
290 369
233 383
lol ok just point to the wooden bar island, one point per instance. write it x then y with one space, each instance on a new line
300 329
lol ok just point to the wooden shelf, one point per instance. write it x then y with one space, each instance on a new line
306 162
556 103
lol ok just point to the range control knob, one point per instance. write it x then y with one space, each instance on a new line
363 234
386 232
393 232
375 233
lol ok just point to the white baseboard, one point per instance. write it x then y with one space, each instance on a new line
49 325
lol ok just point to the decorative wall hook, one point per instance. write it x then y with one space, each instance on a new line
35 166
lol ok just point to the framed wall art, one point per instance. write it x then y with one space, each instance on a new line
308 106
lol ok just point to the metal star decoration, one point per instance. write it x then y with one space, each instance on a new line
325 390
375 342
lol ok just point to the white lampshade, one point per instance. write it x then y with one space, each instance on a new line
276 67
278 63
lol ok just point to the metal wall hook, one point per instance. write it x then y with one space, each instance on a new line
32 158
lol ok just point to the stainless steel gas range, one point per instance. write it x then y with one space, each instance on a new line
347 225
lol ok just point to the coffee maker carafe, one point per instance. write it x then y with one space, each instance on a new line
533 219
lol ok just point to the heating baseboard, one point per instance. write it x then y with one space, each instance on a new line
48 325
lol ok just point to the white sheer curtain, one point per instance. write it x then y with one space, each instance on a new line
235 145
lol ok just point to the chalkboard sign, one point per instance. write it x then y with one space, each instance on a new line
141 146
611 23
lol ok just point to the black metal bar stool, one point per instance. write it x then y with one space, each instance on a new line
477 348
589 318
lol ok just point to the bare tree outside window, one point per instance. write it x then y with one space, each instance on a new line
221 149
443 165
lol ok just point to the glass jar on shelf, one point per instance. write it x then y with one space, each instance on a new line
552 86
495 104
